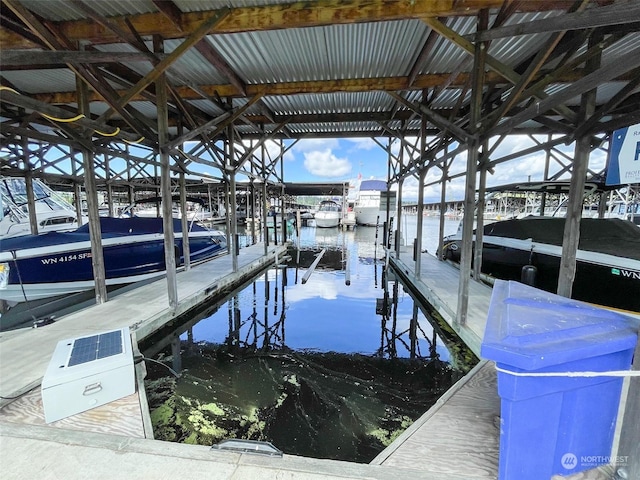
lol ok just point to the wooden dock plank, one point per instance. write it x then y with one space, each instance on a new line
120 417
460 433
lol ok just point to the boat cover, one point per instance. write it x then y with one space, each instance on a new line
612 236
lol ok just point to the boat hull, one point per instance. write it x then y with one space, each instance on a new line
327 219
60 263
601 277
328 214
373 202
370 216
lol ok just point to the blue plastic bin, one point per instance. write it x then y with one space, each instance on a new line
554 425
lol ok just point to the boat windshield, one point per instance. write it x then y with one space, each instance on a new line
14 198
329 207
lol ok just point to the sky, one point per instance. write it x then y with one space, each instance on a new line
338 160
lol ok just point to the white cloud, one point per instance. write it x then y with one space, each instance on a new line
364 143
323 163
273 151
455 190
322 287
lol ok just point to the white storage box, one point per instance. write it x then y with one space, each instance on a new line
87 372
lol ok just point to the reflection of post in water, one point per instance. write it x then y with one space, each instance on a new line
432 345
265 344
275 295
393 352
252 332
390 338
283 309
386 309
255 316
176 353
230 319
297 263
375 272
413 330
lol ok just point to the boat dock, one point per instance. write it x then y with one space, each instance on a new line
456 439
460 433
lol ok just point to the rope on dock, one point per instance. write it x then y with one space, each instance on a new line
612 373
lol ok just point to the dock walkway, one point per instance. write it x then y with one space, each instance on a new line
438 285
461 431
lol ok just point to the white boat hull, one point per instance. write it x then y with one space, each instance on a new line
370 216
327 219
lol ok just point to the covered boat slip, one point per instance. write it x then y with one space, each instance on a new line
24 356
118 99
456 439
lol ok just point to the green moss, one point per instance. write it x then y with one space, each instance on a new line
163 414
382 435
213 408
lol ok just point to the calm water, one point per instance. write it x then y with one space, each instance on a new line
323 368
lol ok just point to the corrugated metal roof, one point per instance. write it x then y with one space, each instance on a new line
42 81
341 102
335 128
627 47
514 50
445 56
328 53
192 68
60 10
364 50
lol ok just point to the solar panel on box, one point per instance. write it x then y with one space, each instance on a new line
87 372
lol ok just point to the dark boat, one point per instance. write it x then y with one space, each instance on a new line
607 260
41 266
